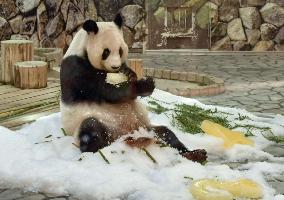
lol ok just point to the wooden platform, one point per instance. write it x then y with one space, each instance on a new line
18 107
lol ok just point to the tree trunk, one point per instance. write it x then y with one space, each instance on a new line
13 51
30 74
137 66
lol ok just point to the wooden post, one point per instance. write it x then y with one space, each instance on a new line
30 74
12 52
137 66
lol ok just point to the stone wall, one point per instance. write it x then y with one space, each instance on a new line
235 24
248 25
53 23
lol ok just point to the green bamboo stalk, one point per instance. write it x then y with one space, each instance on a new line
103 156
150 156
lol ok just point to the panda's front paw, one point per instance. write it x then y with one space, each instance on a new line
132 76
145 86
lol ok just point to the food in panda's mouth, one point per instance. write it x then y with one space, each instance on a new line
96 112
116 78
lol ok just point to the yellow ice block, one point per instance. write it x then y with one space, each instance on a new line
229 137
210 189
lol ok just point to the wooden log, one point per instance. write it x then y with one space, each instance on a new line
137 66
30 74
13 51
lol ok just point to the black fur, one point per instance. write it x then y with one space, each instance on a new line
81 82
91 26
118 20
105 54
120 52
93 135
167 136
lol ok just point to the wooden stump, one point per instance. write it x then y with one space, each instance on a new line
13 51
30 74
137 66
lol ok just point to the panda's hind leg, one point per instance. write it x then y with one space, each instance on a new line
169 138
93 135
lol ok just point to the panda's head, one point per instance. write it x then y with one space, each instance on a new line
105 46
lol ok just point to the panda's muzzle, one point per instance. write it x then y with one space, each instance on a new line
115 67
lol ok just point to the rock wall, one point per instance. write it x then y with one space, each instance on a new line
53 23
238 25
245 25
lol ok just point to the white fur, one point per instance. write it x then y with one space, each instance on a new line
109 36
119 118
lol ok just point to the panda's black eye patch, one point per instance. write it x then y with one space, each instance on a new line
120 51
105 54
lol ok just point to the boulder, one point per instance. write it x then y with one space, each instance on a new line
46 43
242 46
235 30
52 7
15 23
229 10
137 45
80 5
139 2
264 46
279 2
197 4
256 3
90 10
55 26
75 18
128 36
27 5
35 40
64 9
217 2
140 30
28 25
279 39
222 45
250 17
132 15
209 11
42 20
60 40
19 37
279 47
220 30
107 9
273 14
68 40
253 36
123 3
268 31
8 9
5 29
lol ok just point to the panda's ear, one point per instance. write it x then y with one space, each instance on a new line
118 20
91 26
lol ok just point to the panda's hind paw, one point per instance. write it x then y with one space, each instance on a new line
198 155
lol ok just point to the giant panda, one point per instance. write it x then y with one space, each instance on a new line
95 111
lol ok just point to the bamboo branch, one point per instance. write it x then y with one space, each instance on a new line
103 156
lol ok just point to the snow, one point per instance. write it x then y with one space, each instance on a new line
27 161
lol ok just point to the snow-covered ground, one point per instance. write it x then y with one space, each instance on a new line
57 166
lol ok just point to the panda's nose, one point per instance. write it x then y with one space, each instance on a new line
115 67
